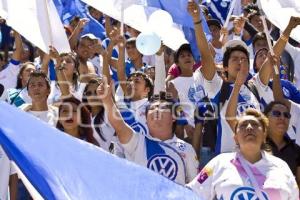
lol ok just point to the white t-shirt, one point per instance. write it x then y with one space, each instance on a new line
295 116
266 96
247 99
225 178
173 158
107 133
138 108
8 76
6 169
55 93
50 116
189 93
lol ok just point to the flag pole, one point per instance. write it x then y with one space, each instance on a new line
228 18
122 19
49 25
263 18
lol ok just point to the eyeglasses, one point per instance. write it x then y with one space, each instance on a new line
277 113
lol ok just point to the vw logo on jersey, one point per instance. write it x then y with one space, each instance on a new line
164 165
139 128
246 193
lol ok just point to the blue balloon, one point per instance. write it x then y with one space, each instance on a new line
148 43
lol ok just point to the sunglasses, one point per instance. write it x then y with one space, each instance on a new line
277 113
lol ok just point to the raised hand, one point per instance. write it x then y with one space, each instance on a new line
294 22
104 91
242 76
82 23
193 10
53 53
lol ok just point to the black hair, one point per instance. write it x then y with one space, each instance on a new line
36 74
184 47
148 81
270 106
19 80
163 96
229 51
76 68
99 118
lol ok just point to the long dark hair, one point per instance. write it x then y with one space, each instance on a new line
19 80
85 128
99 118
76 68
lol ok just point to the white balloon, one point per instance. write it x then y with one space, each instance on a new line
148 43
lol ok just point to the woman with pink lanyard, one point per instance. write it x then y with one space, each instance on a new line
250 172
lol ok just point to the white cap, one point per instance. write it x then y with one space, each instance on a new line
233 43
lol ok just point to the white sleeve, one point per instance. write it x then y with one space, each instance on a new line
160 74
212 87
294 121
264 91
132 145
192 164
8 76
202 184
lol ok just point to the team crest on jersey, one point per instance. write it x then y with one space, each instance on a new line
139 128
246 193
286 92
195 94
204 174
242 107
164 165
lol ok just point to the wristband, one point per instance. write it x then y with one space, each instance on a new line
198 22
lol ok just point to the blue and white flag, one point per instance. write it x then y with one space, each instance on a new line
287 9
59 166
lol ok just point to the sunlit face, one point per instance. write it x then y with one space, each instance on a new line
132 52
68 115
257 23
237 60
136 87
259 44
279 118
38 89
186 60
159 117
260 58
215 31
250 133
26 74
69 65
91 95
84 48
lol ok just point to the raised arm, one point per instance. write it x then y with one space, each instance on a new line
124 132
277 89
45 63
208 68
231 111
19 47
265 72
63 84
75 34
121 65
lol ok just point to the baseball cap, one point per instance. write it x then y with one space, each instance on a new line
183 47
234 43
90 36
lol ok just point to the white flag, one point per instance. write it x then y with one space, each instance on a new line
38 22
136 15
279 13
